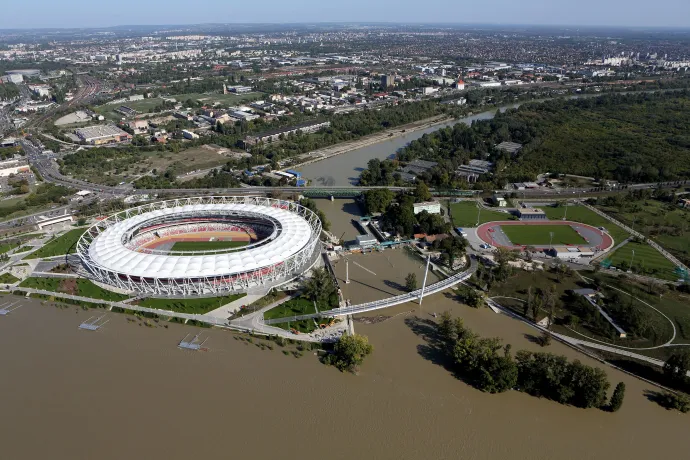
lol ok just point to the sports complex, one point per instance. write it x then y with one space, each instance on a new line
204 246
567 236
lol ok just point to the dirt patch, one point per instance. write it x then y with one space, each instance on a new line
62 268
69 286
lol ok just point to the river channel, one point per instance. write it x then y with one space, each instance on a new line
344 169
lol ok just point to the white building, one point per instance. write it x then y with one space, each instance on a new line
500 201
45 222
189 134
432 207
40 90
12 78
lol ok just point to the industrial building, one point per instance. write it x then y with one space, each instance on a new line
240 89
274 135
105 134
15 168
12 78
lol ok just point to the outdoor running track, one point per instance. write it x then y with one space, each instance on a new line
491 234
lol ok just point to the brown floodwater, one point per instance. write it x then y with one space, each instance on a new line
378 275
126 391
340 213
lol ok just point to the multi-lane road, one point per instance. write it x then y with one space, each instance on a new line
48 169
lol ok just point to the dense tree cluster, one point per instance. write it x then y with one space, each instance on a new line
8 91
554 377
629 138
320 288
349 352
377 200
43 195
311 205
489 366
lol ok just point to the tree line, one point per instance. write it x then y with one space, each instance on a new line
629 138
489 366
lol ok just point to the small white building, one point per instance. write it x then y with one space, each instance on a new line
500 201
432 207
189 134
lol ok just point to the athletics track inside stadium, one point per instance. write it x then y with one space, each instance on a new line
597 240
170 240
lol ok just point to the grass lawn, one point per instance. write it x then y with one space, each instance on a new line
75 286
195 305
586 216
673 304
4 247
517 284
207 245
10 202
304 326
8 278
665 223
540 234
65 244
647 260
464 214
294 307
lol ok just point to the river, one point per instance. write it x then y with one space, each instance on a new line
126 391
344 169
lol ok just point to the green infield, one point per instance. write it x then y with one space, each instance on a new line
586 216
540 235
65 244
207 245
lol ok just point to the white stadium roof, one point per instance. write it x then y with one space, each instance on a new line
108 250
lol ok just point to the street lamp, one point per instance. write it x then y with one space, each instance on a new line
565 214
631 259
479 212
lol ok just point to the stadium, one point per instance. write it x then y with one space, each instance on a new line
204 246
566 239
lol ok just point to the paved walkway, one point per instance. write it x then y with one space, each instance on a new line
255 321
579 343
227 310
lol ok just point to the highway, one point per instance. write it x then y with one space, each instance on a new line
48 169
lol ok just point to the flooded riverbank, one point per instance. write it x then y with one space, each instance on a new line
126 391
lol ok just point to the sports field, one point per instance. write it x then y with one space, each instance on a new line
539 235
465 213
207 245
646 260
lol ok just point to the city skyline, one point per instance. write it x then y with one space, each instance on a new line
616 13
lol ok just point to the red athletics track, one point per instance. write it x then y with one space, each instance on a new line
597 239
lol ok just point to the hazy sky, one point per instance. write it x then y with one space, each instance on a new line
95 13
